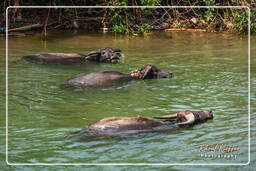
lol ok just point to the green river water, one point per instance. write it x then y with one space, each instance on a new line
210 72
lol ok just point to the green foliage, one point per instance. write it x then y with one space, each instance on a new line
240 21
148 11
129 21
119 28
209 14
253 20
144 29
125 22
149 2
140 29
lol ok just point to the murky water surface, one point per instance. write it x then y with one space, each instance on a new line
210 72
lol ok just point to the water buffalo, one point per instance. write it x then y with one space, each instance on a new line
106 78
107 55
114 125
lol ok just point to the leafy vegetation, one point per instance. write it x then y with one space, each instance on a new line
143 20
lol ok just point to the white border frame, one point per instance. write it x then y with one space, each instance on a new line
135 164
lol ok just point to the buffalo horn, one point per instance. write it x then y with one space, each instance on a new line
173 116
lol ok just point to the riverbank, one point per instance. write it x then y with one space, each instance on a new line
132 21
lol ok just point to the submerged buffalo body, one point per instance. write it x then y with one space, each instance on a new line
107 55
114 125
106 78
122 124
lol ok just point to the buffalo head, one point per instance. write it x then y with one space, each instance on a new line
187 117
150 72
107 55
